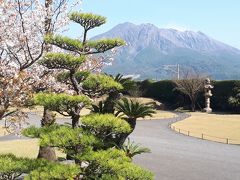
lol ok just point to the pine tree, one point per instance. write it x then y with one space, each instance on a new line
91 144
75 54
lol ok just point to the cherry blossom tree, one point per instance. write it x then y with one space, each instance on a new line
24 24
15 92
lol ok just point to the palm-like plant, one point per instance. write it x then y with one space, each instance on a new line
98 108
126 82
132 110
131 149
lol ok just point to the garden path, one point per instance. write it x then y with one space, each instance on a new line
178 157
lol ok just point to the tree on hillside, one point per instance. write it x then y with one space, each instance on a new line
190 85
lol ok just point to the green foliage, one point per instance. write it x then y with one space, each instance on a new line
91 143
235 100
222 91
115 94
92 84
63 42
131 149
103 124
32 132
105 44
162 91
35 132
126 82
60 102
99 108
100 82
55 171
62 61
133 110
113 164
80 76
12 167
66 138
87 20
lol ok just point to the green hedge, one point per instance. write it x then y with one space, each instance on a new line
164 91
221 92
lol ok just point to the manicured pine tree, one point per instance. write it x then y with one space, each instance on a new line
91 144
73 58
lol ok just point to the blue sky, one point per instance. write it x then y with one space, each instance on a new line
219 19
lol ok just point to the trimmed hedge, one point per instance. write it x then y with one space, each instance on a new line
222 91
164 91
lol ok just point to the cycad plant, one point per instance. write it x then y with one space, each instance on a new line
127 84
131 149
98 108
132 110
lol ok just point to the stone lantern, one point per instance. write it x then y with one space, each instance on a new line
208 94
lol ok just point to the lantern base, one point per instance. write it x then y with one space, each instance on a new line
207 110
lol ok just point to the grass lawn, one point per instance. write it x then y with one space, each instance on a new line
23 148
216 127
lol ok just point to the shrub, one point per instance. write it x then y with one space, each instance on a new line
222 91
165 92
113 164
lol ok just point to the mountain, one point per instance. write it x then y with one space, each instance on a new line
149 49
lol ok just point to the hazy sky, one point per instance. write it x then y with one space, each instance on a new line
219 19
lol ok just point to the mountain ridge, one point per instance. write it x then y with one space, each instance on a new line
187 48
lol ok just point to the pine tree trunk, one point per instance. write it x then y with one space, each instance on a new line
48 117
132 122
47 152
109 103
75 121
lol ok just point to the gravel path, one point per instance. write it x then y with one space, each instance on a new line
178 157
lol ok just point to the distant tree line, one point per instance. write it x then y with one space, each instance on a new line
225 95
